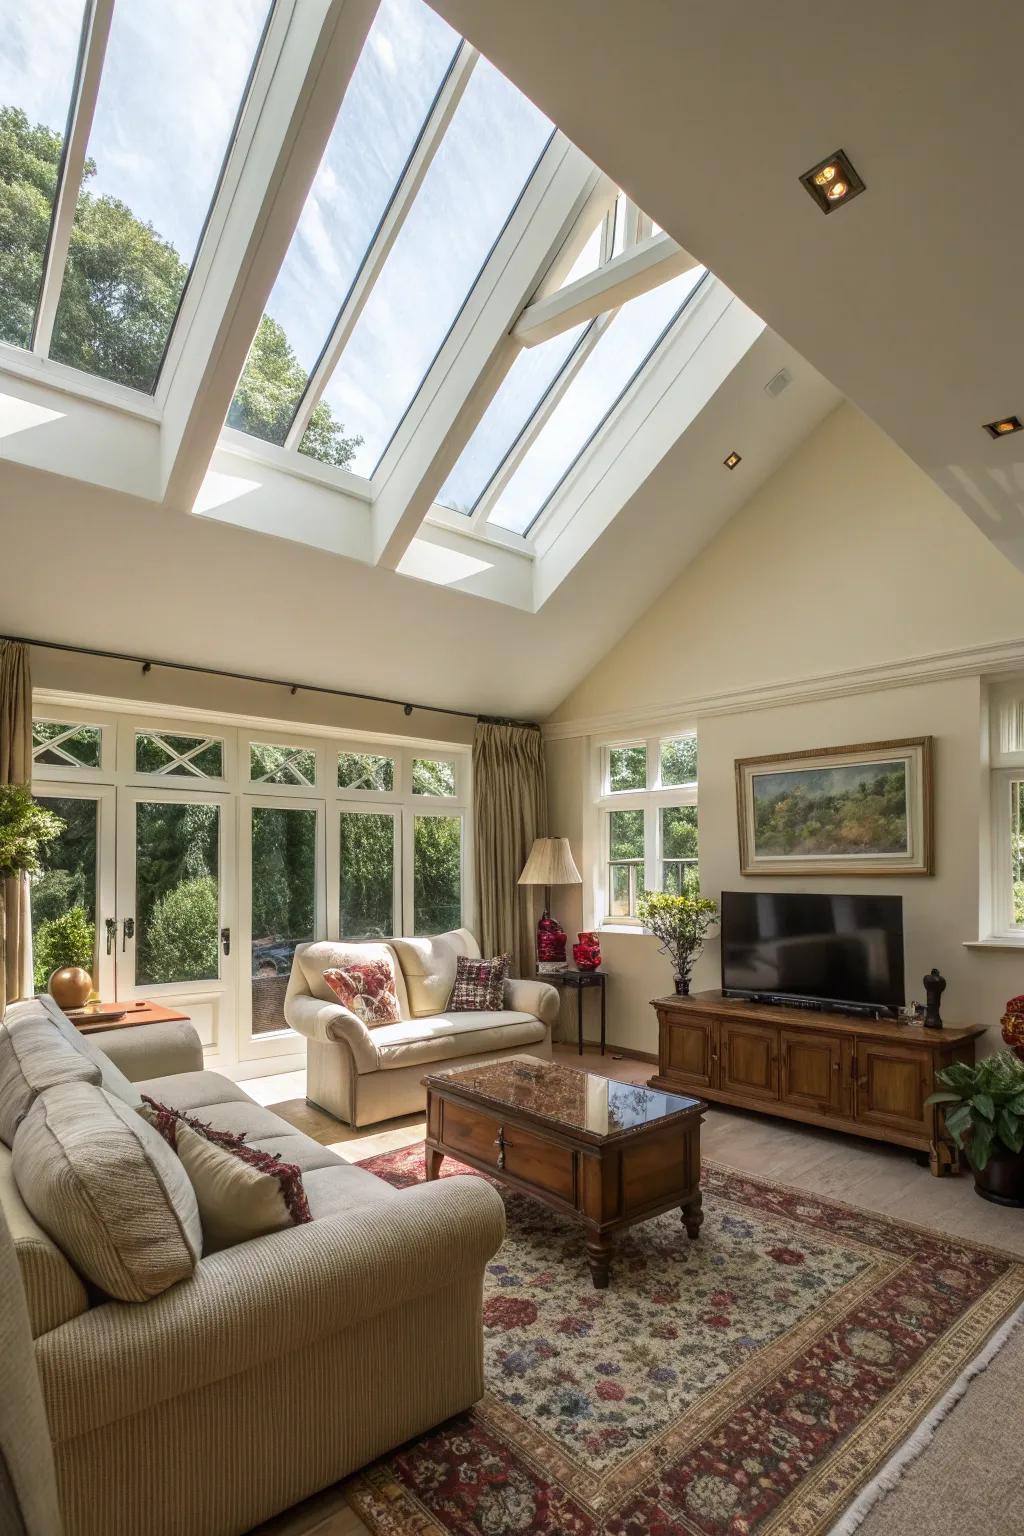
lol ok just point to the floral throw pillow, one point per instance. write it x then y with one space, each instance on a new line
479 984
367 989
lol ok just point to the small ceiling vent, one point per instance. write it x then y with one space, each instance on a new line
782 380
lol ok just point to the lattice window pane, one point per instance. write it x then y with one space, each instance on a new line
59 744
433 776
269 764
180 757
366 770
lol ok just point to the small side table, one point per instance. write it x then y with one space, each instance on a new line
135 1013
579 981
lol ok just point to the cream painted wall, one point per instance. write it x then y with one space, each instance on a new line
847 557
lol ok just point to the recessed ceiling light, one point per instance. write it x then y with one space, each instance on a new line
832 182
732 461
1004 427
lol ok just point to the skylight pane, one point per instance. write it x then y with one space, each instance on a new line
483 162
407 54
623 349
521 391
172 85
39 42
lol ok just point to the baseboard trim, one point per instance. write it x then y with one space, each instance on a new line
610 1048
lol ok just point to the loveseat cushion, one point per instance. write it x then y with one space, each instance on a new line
330 954
446 1035
53 1291
108 1190
429 964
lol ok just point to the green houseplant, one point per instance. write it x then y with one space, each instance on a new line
67 940
680 924
25 829
984 1112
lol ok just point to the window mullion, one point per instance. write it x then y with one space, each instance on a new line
404 196
652 848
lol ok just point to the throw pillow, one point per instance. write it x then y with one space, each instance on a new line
242 1192
479 985
108 1190
366 989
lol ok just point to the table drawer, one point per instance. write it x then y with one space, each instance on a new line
527 1157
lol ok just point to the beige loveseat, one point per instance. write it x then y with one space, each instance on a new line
278 1367
362 1074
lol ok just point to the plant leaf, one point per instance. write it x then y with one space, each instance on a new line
944 1098
984 1105
958 1122
1010 1129
979 1147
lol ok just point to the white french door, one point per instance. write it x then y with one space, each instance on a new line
176 898
78 871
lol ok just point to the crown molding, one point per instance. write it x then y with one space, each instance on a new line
988 660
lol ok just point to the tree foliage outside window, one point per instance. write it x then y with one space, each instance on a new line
433 776
627 768
679 761
121 291
60 744
366 770
65 885
1017 852
437 874
181 934
176 893
366 896
69 939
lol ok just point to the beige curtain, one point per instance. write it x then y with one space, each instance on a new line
15 768
510 809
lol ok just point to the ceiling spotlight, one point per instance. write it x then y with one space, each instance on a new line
732 461
832 182
1004 427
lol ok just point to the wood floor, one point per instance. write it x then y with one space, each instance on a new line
935 1495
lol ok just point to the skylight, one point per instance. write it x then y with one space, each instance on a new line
39 42
475 179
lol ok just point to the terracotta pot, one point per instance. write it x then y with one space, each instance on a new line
70 987
1002 1178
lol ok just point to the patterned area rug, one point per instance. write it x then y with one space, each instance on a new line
752 1382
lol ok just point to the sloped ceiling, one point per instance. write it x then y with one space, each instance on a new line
911 300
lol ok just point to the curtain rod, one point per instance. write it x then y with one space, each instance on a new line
272 682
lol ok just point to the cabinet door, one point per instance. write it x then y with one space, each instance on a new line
812 1066
689 1049
892 1084
749 1063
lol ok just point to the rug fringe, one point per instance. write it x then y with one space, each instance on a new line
897 1465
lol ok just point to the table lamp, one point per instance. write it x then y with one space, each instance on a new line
550 863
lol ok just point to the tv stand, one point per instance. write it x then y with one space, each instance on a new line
869 1077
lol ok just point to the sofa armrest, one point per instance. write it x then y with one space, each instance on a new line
330 1021
152 1050
263 1299
535 997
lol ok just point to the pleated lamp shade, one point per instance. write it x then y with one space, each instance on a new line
550 863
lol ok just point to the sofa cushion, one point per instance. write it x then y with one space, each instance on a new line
194 1091
479 984
303 1151
33 1057
328 954
341 1188
111 1076
367 989
108 1190
448 1035
428 966
53 1290
224 1105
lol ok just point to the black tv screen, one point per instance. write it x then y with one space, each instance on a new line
839 950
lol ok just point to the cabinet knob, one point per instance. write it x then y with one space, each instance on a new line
836 1066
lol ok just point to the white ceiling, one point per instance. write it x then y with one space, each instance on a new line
911 300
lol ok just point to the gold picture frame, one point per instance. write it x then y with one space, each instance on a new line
856 810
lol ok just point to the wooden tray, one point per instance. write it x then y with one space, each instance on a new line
89 1015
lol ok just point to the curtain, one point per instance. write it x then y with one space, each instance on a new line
510 809
15 768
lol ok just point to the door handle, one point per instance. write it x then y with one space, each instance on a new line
499 1142
225 940
127 932
111 927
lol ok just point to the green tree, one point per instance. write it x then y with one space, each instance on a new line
181 940
437 896
120 294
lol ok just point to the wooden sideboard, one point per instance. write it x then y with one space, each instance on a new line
867 1077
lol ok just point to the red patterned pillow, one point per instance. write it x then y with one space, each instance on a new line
366 988
479 985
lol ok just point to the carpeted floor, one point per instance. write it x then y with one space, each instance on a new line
757 1380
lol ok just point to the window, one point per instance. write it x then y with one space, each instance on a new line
58 744
433 776
1007 803
197 757
648 816
270 764
437 873
366 770
64 890
173 82
369 864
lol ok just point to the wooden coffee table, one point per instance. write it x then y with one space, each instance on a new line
608 1153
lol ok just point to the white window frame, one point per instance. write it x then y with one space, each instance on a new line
651 800
345 807
1003 925
1004 753
69 772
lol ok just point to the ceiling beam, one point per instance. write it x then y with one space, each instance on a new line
427 146
478 351
642 267
95 31
311 49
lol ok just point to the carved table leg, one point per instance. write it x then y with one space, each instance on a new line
693 1215
943 1159
599 1253
433 1161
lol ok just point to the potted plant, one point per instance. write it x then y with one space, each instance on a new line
680 924
25 828
64 943
984 1112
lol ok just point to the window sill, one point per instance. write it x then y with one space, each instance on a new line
634 928
1006 941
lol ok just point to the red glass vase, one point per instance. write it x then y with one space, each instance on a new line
551 941
586 952
1013 1025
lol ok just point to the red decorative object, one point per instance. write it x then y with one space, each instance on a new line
587 952
1013 1025
551 940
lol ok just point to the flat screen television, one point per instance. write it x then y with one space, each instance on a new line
842 952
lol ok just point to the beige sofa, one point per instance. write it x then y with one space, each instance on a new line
361 1074
281 1365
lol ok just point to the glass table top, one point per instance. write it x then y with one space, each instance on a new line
582 1101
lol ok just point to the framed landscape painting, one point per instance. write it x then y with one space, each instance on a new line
862 810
